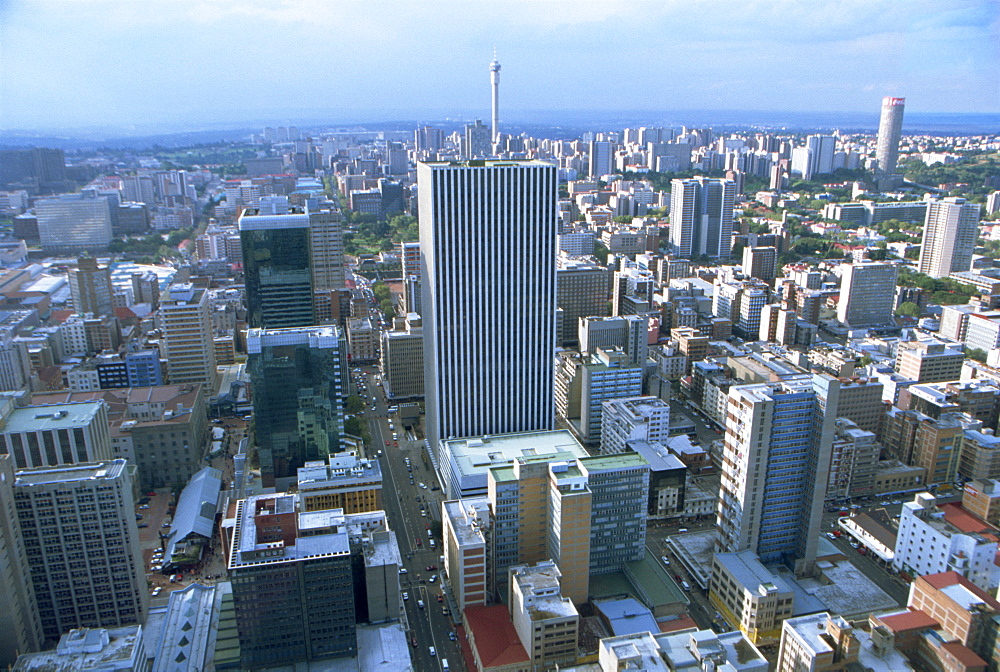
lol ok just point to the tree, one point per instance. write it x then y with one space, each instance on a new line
908 309
381 291
976 353
355 404
387 308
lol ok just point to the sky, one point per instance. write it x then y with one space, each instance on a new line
68 64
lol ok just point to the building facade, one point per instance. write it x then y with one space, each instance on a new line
701 217
299 378
186 319
86 562
277 264
951 229
489 327
867 294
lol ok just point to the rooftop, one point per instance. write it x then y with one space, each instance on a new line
496 640
51 417
305 547
750 573
71 473
187 628
86 649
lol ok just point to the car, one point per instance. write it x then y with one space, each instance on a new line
403 570
897 501
440 598
156 591
413 641
423 513
144 506
435 488
432 651
686 586
420 603
886 503
406 596
429 534
143 524
831 536
387 443
666 561
151 494
423 486
138 516
451 636
420 544
677 577
431 568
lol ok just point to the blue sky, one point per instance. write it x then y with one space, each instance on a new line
132 63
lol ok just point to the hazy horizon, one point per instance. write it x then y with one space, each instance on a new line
79 64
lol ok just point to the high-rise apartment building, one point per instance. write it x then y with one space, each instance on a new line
477 143
581 291
186 320
701 217
86 563
411 276
277 264
607 374
326 252
299 380
629 333
489 327
90 287
951 229
760 263
775 461
402 359
632 292
20 626
588 514
293 588
602 154
929 361
867 294
890 128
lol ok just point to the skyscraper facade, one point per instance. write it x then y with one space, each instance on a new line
701 217
20 626
890 127
867 294
277 267
951 229
776 459
90 287
299 379
86 563
488 268
186 320
74 222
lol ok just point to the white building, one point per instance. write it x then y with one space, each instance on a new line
489 326
633 419
929 543
701 217
74 222
867 294
951 230
186 319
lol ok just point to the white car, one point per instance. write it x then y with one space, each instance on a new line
156 591
406 596
665 560
424 487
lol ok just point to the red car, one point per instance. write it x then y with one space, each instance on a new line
440 598
431 568
387 443
420 544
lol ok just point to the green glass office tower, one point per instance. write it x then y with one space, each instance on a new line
298 378
277 268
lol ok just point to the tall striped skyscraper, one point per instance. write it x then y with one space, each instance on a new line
488 267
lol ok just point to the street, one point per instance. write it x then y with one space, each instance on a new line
414 513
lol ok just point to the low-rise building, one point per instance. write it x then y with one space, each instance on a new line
929 361
108 650
965 611
633 419
466 526
981 498
934 539
750 597
345 482
546 622
827 643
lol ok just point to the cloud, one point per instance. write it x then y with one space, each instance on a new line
92 61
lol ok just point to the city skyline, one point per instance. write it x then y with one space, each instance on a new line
839 57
